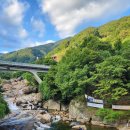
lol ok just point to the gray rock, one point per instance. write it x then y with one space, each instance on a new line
18 103
53 105
74 124
79 126
46 118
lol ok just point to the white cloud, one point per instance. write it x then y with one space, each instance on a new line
11 22
49 41
22 33
66 16
36 43
38 26
13 12
4 52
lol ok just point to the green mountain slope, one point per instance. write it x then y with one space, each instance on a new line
29 54
96 61
110 32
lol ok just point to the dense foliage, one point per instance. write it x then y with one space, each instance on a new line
110 32
93 62
6 75
111 116
3 107
93 67
28 54
96 61
9 75
30 78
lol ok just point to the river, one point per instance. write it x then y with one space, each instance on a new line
20 119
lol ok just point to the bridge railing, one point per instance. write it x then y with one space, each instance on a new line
23 64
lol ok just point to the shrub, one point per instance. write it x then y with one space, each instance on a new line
30 78
3 107
109 115
102 113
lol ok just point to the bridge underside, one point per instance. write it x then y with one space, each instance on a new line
32 68
34 72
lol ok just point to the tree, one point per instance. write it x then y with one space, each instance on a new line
48 87
3 107
74 70
118 45
29 77
110 78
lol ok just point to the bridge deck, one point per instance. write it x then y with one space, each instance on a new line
33 68
23 65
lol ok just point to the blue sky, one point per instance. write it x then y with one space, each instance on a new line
27 23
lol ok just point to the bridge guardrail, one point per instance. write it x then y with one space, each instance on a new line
24 64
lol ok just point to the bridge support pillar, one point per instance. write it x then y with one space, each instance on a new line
36 77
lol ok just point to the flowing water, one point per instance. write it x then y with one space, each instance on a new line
11 105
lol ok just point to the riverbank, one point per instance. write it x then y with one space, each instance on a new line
79 110
27 108
20 119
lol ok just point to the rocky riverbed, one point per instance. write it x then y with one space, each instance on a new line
26 107
29 112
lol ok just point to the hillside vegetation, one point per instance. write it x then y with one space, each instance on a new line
29 54
96 61
4 109
110 32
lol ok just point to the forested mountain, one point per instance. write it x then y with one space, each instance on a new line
96 61
29 54
110 32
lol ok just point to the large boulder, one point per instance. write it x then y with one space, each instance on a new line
46 118
78 127
7 87
53 105
79 111
18 103
29 90
74 124
33 98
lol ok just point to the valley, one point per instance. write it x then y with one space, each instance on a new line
95 62
27 112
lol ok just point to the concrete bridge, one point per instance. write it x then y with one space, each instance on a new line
32 68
